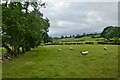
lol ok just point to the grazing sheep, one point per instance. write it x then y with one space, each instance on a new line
71 48
59 49
84 52
105 48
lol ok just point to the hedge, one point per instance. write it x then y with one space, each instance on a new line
114 43
89 42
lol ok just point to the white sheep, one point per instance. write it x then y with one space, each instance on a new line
71 48
84 52
105 48
59 49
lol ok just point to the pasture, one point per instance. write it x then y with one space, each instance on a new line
48 62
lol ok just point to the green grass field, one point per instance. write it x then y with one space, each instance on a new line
83 39
48 62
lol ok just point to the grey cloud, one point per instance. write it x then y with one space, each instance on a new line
80 17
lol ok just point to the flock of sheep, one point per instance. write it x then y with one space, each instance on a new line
70 48
84 52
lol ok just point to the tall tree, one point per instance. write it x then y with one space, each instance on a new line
111 32
22 28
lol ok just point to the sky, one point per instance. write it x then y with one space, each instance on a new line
75 17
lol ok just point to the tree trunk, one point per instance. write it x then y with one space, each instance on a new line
18 50
28 47
23 49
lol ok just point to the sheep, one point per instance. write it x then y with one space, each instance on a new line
59 49
105 48
71 48
84 52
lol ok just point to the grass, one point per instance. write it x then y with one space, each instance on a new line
48 62
83 39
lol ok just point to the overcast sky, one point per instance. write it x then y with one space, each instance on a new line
68 18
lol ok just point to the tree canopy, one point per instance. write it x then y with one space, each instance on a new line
111 32
21 27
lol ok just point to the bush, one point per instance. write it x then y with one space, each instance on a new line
101 42
70 43
54 43
73 43
89 42
95 36
114 43
79 43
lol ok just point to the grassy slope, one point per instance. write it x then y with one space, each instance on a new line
83 39
47 62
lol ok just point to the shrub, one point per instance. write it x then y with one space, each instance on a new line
113 43
54 43
70 43
79 43
89 43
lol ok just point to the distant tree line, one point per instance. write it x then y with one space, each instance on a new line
22 28
78 35
108 33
